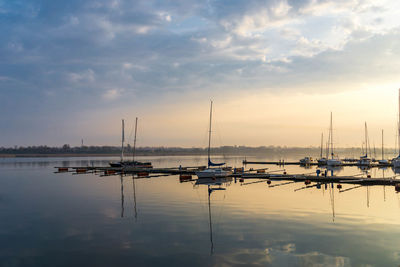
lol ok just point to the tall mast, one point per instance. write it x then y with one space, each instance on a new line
322 142
366 139
134 142
122 140
209 134
382 146
331 138
328 142
398 125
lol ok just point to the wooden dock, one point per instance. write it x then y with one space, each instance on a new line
260 175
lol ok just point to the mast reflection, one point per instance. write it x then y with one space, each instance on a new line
215 184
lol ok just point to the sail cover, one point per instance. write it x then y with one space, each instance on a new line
214 164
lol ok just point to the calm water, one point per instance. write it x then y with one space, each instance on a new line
49 219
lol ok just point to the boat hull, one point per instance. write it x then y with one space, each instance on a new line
334 162
134 164
213 173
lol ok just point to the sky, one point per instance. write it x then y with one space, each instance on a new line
275 69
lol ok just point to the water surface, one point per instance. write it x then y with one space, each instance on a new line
49 219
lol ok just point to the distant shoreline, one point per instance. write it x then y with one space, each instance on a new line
105 151
67 155
55 155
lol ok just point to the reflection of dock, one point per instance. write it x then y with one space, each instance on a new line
118 170
344 164
323 179
260 174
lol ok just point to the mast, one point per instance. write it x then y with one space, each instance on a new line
398 126
209 135
122 140
382 146
134 142
322 141
331 137
328 142
366 139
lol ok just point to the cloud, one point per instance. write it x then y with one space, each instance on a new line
85 76
113 93
83 51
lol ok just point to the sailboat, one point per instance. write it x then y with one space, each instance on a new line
129 163
396 161
212 172
333 161
365 160
322 160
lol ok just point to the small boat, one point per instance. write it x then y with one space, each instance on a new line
365 160
322 161
306 161
129 163
217 171
213 173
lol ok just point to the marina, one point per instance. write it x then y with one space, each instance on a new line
200 133
241 174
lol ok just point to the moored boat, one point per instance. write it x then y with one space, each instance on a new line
334 160
129 163
214 170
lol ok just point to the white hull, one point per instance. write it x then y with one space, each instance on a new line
334 162
364 162
213 173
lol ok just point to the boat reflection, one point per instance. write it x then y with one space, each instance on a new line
213 184
123 196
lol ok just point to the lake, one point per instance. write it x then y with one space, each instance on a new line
63 219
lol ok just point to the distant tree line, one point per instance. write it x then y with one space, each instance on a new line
225 150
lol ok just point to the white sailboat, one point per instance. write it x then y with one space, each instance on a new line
365 160
217 171
396 161
333 161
